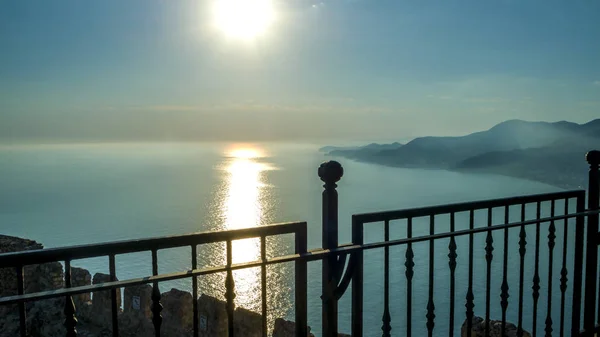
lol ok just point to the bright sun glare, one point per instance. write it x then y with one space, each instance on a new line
245 153
244 19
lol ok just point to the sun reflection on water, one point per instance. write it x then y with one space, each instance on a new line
242 208
244 199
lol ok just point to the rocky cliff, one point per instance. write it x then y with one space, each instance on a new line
44 318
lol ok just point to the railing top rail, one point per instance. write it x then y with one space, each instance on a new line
463 207
313 255
39 256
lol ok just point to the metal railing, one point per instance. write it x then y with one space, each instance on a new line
360 222
20 259
339 271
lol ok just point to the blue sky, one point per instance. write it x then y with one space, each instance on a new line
347 70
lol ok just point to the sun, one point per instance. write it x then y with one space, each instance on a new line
243 19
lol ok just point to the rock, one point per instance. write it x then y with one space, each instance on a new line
247 323
39 277
284 328
212 317
138 299
44 318
137 314
9 323
101 313
47 318
81 277
83 302
14 244
177 313
478 329
42 277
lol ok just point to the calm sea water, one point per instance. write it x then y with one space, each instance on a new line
74 194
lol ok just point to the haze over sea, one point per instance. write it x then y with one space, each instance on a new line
75 194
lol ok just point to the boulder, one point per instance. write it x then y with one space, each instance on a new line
81 277
212 316
284 328
46 317
177 313
138 300
247 323
478 329
136 319
101 312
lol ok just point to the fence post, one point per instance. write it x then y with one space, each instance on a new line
578 266
589 316
330 172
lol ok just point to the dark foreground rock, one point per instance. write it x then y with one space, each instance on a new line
285 328
44 317
478 329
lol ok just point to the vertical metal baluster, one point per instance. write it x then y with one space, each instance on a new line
598 289
551 237
430 304
20 286
522 251
563 271
386 319
156 306
536 275
357 280
69 310
452 264
195 289
229 290
593 158
591 256
489 248
113 296
301 285
470 297
578 265
409 264
504 288
263 282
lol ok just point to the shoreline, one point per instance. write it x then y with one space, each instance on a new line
565 184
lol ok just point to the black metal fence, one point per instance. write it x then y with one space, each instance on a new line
361 221
343 265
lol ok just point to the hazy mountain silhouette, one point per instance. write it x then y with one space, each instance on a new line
548 152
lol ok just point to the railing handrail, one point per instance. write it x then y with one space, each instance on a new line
464 206
39 256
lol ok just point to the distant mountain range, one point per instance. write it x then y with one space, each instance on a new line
552 153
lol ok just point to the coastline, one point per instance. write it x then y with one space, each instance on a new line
569 182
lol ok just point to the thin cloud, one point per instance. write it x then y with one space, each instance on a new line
259 107
486 100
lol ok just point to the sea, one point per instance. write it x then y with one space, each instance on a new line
73 194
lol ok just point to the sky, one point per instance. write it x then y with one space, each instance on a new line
171 70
